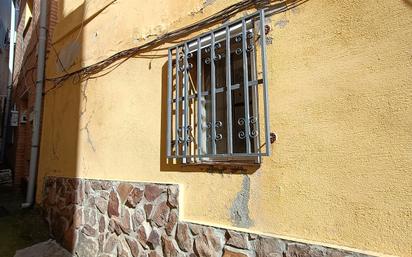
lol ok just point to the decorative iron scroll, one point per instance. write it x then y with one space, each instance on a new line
252 124
218 137
190 138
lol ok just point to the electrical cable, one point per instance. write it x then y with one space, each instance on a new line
220 16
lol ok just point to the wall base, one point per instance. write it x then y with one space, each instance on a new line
110 218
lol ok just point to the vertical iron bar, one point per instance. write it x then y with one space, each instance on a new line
199 98
186 100
213 89
255 100
228 94
169 104
264 73
177 137
246 86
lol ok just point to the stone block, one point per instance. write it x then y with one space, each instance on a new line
171 223
113 205
173 196
270 247
134 197
152 191
123 191
161 214
183 237
236 239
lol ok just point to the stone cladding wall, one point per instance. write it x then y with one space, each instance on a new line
118 219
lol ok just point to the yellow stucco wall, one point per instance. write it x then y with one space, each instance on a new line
340 102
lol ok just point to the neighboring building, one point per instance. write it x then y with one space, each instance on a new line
4 51
336 183
24 76
4 45
23 92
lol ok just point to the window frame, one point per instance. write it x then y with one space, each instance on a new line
223 34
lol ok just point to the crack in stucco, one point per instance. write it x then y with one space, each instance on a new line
208 2
54 133
161 29
205 4
83 111
281 23
84 96
89 140
55 155
88 134
158 31
239 211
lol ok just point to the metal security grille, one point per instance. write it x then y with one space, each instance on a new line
216 84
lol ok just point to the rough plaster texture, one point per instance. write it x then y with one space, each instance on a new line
340 102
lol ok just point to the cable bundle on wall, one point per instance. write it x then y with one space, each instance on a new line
221 16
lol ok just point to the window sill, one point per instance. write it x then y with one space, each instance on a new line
232 167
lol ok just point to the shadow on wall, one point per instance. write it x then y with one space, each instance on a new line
62 114
65 119
18 139
64 142
169 165
408 3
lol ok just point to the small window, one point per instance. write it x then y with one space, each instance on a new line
217 95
